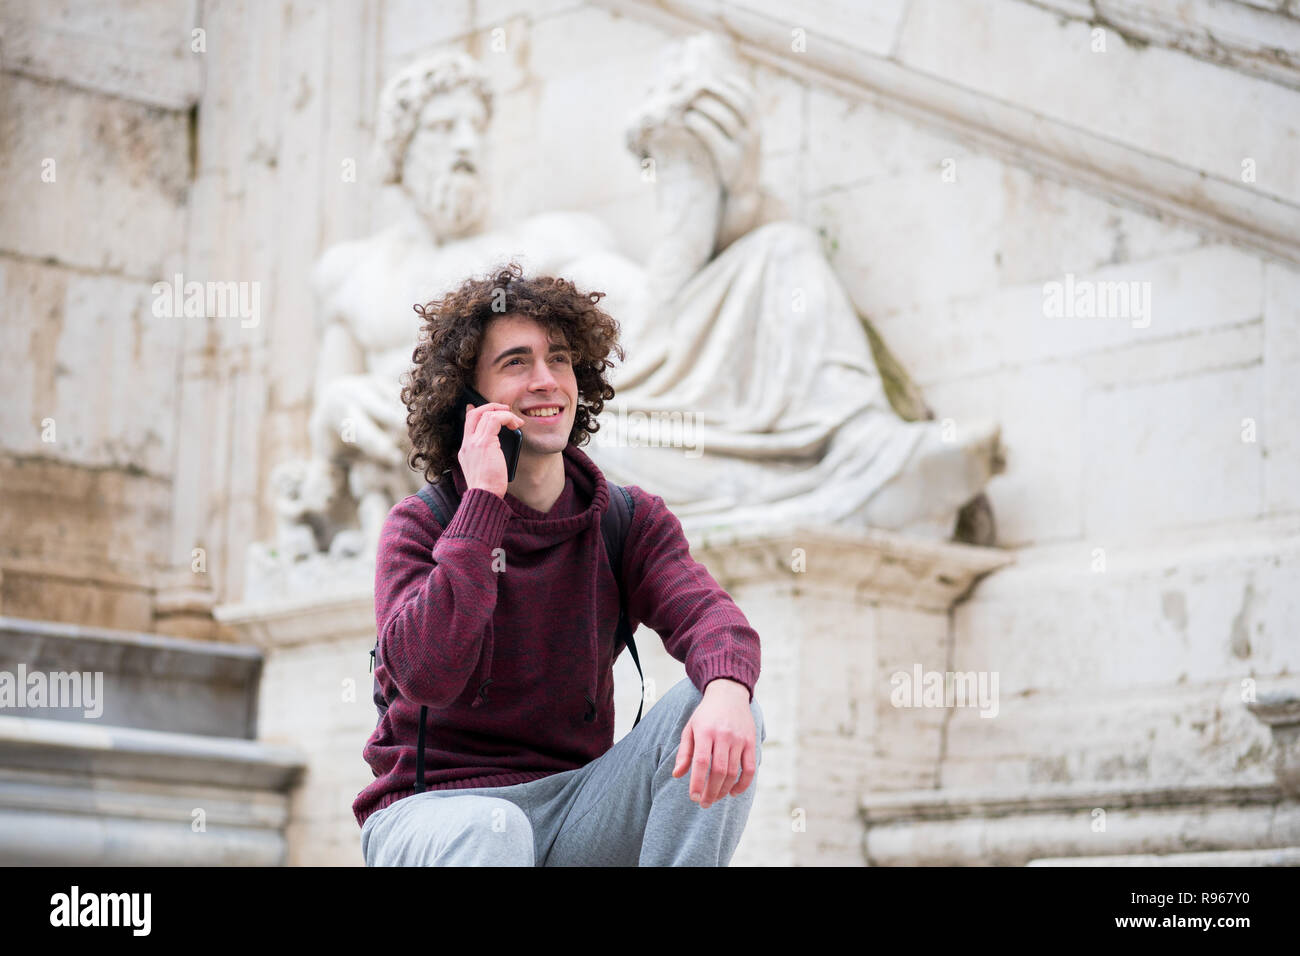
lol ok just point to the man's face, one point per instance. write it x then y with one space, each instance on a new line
443 166
518 367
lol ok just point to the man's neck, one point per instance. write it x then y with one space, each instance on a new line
539 481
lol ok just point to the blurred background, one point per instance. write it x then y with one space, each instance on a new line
981 177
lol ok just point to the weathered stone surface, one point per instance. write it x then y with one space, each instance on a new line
833 635
1121 438
1011 827
139 50
1058 74
99 146
131 679
78 795
93 370
1279 408
80 545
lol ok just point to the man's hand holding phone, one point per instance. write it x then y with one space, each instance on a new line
481 456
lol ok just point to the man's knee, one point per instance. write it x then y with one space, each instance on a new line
480 831
684 693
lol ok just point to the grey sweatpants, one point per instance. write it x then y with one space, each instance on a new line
625 808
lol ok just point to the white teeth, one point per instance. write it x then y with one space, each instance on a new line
547 414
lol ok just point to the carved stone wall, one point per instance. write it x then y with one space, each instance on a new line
956 159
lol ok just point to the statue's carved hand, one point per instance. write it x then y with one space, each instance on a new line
718 113
357 411
721 114
700 126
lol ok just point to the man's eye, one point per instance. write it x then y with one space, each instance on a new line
562 358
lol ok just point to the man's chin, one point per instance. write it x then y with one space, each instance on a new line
548 445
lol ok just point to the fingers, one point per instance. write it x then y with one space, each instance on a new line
372 441
483 427
715 762
723 152
490 419
741 92
379 408
701 767
748 765
729 103
475 431
726 766
720 111
685 746
716 141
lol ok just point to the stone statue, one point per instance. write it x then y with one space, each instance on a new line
751 392
433 115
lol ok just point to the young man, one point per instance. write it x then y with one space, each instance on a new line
502 624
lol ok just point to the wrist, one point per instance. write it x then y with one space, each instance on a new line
728 685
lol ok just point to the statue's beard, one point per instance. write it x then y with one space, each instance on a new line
456 203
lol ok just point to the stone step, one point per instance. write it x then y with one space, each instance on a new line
128 679
1078 822
1281 856
83 794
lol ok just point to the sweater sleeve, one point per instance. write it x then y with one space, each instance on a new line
674 594
435 592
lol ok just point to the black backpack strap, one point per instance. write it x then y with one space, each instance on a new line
419 751
442 501
614 525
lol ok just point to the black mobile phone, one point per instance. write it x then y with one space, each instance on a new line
512 439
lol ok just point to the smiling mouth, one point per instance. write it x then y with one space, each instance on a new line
463 165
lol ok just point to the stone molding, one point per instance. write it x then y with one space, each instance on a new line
1279 709
77 795
1235 34
55 745
1012 827
871 566
301 620
1012 133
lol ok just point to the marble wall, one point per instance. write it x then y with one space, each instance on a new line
955 157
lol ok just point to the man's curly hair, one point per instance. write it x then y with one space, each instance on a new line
447 355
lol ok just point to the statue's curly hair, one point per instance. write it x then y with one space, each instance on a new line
446 355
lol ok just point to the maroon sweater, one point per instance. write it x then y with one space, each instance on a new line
506 647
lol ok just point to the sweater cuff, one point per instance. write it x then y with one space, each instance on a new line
731 671
480 515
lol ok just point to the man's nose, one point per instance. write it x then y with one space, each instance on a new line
544 379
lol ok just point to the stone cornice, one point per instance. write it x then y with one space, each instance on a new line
1075 156
301 620
1263 43
871 566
